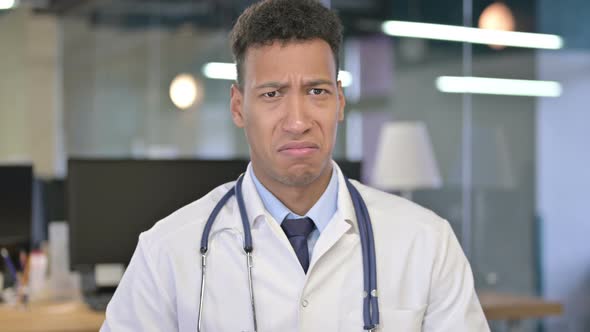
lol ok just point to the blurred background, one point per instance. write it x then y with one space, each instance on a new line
102 90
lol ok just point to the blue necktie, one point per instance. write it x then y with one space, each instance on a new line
297 231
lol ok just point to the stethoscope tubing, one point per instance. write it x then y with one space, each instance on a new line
370 301
370 304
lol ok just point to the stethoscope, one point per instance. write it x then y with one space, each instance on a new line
370 305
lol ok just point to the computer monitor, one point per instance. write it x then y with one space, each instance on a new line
53 192
110 202
351 169
16 201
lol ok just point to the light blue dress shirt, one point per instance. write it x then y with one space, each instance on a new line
321 212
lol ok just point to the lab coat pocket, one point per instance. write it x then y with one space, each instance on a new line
402 320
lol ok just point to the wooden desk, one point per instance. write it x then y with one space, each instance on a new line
498 306
63 317
77 317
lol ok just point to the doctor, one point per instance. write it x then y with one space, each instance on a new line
307 266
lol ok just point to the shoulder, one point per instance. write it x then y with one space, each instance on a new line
186 223
392 214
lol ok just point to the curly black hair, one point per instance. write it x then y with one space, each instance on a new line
284 20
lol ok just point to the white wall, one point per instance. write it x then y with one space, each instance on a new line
14 138
563 191
31 126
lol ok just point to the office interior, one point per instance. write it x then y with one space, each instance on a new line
131 98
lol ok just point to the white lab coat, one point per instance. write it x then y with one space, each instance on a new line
424 280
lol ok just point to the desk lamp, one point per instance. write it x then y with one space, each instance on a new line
405 161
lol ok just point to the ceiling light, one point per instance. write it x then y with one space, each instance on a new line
220 71
227 71
8 4
184 91
345 78
498 86
497 16
471 35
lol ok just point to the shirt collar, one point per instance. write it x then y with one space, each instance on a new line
254 206
345 206
321 212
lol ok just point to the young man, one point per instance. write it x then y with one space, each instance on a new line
307 266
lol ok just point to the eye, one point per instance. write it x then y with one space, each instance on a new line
271 94
318 91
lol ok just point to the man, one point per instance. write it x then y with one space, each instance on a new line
289 102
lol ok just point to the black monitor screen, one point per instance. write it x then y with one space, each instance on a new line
110 202
16 196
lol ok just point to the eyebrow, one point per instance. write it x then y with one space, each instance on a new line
272 84
279 85
318 82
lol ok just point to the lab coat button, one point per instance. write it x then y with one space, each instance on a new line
304 303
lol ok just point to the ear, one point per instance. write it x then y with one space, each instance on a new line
341 102
237 106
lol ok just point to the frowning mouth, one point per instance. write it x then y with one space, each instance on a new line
298 149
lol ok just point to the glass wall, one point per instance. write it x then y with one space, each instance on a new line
120 59
127 56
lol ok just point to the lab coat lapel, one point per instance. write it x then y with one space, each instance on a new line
269 226
261 221
333 232
344 221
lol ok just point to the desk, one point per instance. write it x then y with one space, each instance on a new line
76 317
62 317
515 308
498 306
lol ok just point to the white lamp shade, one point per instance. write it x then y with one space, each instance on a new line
405 160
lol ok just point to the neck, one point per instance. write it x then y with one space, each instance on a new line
298 199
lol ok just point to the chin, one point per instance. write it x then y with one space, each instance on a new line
301 175
298 180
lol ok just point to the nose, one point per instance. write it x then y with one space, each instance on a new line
296 120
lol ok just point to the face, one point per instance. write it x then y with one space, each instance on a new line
289 106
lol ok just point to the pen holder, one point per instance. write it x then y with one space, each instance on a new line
63 285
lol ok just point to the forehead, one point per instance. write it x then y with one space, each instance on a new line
280 61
